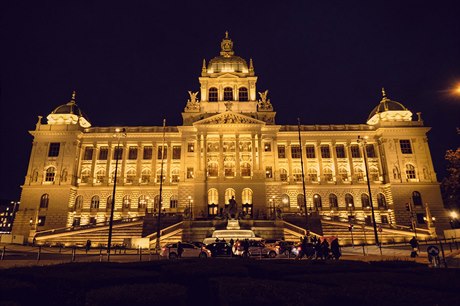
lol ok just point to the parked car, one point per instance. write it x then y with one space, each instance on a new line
220 249
197 243
285 247
189 251
256 248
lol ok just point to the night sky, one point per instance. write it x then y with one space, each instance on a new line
132 63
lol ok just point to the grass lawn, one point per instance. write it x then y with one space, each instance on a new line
231 282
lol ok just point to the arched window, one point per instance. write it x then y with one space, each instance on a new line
156 203
158 178
175 176
229 168
44 200
381 200
246 196
79 202
374 174
365 200
213 169
417 198
50 174
108 203
112 175
328 177
173 201
300 201
213 196
312 174
410 172
131 176
126 202
243 94
100 176
142 202
95 202
85 176
285 201
145 176
349 202
297 174
333 201
343 174
229 193
246 169
228 94
359 174
283 175
212 96
317 203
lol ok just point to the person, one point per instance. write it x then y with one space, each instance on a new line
414 245
319 253
180 249
88 245
246 248
231 242
335 248
325 249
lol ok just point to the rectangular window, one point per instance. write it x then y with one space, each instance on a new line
76 221
160 150
190 147
405 145
267 147
325 151
54 149
355 151
92 220
370 151
103 153
190 172
41 221
268 172
295 151
281 152
340 151
176 152
310 150
420 218
118 153
88 155
147 153
132 154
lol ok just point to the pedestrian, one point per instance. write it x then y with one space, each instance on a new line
414 245
325 249
88 245
335 249
180 249
246 248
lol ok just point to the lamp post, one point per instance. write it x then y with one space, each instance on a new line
190 202
303 177
157 246
454 220
363 141
119 134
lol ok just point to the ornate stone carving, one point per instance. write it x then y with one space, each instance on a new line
230 118
264 103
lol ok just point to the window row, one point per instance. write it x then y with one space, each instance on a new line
325 151
213 195
132 177
127 202
312 175
334 204
229 169
213 94
147 152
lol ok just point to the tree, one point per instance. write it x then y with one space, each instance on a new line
451 184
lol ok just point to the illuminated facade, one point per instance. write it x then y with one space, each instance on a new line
229 145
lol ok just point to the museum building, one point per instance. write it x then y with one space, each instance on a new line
230 145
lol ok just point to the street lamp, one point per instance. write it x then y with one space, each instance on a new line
363 141
303 177
454 223
350 209
190 202
119 134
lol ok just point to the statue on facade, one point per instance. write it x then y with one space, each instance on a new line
193 103
232 208
264 103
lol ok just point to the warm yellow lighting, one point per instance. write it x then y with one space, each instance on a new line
453 214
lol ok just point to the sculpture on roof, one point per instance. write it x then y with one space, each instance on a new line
192 103
264 103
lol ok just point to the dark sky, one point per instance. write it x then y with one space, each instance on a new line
132 63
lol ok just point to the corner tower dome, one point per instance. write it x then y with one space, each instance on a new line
389 110
68 113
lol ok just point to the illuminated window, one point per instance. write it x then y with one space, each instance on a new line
355 151
374 174
44 200
53 150
213 169
295 151
85 176
176 152
381 200
50 174
410 172
95 202
297 174
145 176
112 175
142 202
405 145
317 203
190 147
281 152
246 196
417 198
243 94
158 176
131 176
333 201
310 151
41 221
175 176
79 202
312 174
126 202
283 175
108 203
173 202
229 168
213 196
300 201
268 172
212 96
228 94
349 202
340 151
365 200
100 176
328 176
132 153
285 200
190 174
88 155
267 147
246 169
103 153
325 151
147 153
343 174
359 174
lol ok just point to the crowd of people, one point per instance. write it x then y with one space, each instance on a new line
313 247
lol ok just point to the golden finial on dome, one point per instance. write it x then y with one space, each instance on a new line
226 46
226 34
384 95
74 93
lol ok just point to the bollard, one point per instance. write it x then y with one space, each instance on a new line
74 251
3 253
364 250
39 252
100 253
140 253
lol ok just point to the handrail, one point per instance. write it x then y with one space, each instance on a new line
390 229
166 230
297 229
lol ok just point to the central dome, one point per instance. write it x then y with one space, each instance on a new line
227 61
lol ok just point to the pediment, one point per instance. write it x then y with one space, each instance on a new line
228 75
228 118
